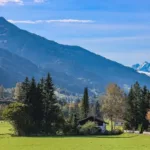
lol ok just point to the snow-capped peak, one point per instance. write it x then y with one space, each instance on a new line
143 68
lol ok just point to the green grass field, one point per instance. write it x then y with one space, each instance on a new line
123 142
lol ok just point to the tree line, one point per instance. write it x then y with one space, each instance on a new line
38 112
137 107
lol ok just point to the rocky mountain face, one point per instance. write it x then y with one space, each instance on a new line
71 67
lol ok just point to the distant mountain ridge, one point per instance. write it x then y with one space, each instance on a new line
143 68
71 67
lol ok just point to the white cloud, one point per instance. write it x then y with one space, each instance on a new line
3 2
50 21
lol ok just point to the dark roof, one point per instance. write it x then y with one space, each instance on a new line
91 118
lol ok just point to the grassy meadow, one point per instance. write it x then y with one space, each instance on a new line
123 142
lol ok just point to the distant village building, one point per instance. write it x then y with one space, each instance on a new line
101 124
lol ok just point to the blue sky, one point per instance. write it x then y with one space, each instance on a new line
116 29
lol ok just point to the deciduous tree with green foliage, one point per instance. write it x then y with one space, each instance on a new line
16 114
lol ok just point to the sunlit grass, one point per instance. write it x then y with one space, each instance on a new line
122 142
5 128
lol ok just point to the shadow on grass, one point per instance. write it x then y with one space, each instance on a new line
122 137
5 135
81 136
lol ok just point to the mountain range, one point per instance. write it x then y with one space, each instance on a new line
143 68
72 67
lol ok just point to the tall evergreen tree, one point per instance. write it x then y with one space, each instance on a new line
137 103
85 103
130 110
38 109
136 107
41 84
32 100
52 114
144 106
26 88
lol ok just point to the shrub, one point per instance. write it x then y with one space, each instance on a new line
117 132
90 128
16 114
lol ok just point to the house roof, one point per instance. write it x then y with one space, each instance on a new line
92 118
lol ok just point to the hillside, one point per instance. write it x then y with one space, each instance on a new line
72 67
14 68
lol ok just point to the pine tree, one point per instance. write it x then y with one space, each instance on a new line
26 88
32 99
136 107
130 111
85 103
144 107
41 84
137 103
39 107
52 114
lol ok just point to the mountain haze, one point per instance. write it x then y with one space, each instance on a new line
72 67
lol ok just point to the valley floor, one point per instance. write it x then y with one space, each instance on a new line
123 142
